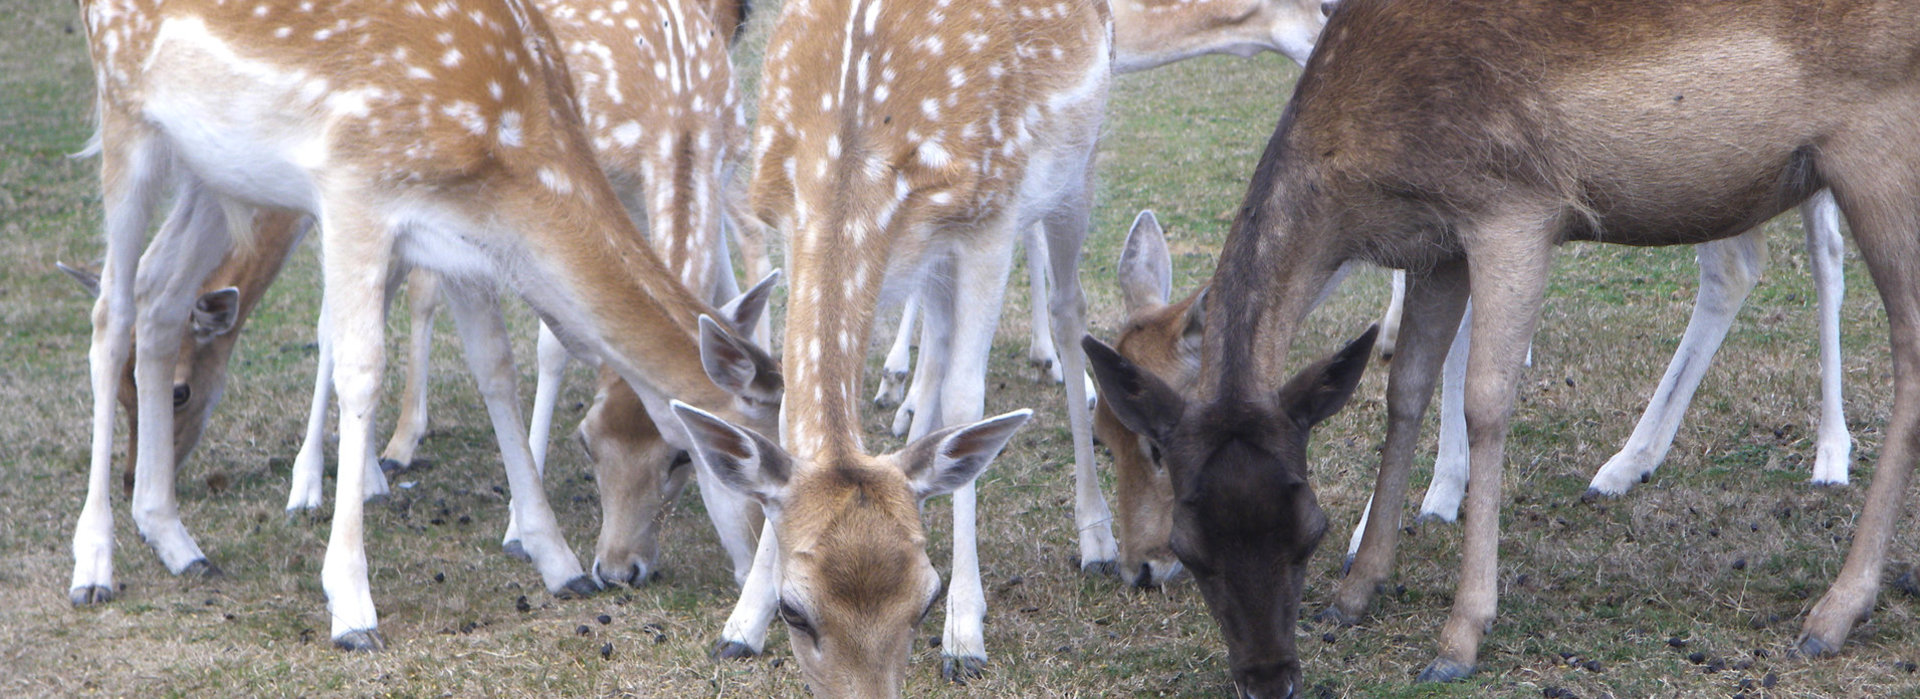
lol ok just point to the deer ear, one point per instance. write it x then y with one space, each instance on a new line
741 458
1195 331
1143 403
737 365
216 312
744 311
88 279
1322 389
942 462
1146 268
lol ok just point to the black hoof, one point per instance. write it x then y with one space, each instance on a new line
582 586
1386 357
1426 518
303 516
1144 580
390 466
202 568
90 594
1346 565
731 650
1333 615
1810 647
1099 569
629 575
1444 670
960 669
368 640
514 549
1593 495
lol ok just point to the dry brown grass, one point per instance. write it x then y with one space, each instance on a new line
1610 582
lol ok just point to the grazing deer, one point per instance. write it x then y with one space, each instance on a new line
656 90
207 342
901 142
1145 35
440 135
1464 141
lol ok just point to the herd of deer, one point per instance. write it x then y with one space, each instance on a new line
584 152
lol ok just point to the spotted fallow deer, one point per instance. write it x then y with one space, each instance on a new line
437 134
1463 141
1146 34
900 141
653 83
208 340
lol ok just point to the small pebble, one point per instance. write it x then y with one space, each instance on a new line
1327 637
603 619
1739 564
584 630
1593 666
522 604
606 651
934 641
439 577
1696 657
1770 680
1677 642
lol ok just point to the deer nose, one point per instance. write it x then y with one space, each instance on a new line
181 394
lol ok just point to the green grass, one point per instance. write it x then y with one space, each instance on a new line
1609 582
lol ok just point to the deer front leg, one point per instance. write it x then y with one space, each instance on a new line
551 358
745 633
128 170
1509 259
188 247
1449 484
476 312
309 466
356 324
1729 269
1435 306
1821 217
423 303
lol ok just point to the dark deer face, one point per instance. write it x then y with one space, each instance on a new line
1245 520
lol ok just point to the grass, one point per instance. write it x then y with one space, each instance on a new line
1725 549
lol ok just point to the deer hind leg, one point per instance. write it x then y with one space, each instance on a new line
1066 231
423 303
1509 258
1729 269
189 246
936 330
129 171
1449 485
955 394
476 312
1390 321
1040 352
1436 302
893 374
1880 206
1821 217
304 490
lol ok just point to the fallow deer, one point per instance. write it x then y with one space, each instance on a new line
899 142
1463 141
219 314
441 135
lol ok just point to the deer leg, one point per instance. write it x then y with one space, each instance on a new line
476 312
1066 231
188 247
423 302
923 393
1508 264
1449 485
745 633
893 374
1041 352
1435 306
1885 223
1390 321
356 323
1821 217
1729 269
309 466
128 173
551 357
958 396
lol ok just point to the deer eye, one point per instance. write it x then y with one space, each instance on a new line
794 619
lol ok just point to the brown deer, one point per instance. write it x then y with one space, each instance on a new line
1463 142
442 135
899 142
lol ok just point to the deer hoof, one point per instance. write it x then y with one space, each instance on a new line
731 650
202 568
1813 647
959 669
1444 670
87 595
390 466
582 586
1334 615
1426 518
1099 569
360 641
514 549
